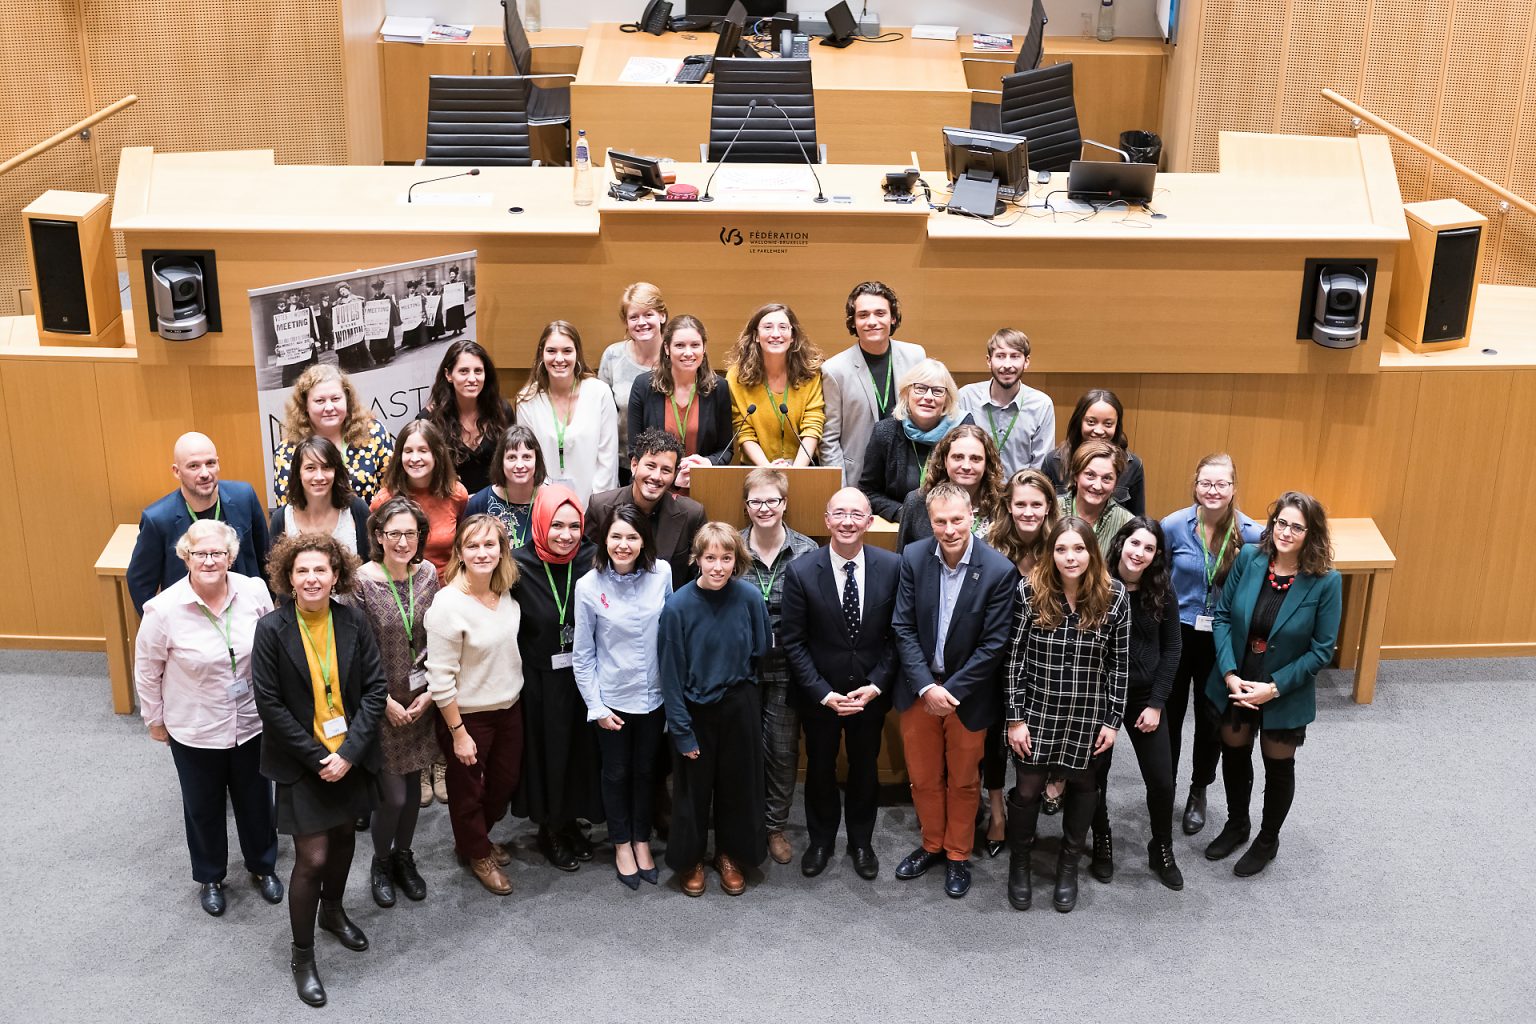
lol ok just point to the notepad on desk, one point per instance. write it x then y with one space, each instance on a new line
948 32
650 70
397 29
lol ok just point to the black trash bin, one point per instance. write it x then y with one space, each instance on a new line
1143 147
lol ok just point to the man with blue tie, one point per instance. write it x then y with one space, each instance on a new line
154 564
836 630
954 609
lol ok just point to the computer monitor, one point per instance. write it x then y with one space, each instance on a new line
635 174
983 166
842 26
1100 181
719 8
731 27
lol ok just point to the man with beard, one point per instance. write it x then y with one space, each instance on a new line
1021 420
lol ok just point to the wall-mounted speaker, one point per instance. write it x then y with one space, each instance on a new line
73 269
1434 286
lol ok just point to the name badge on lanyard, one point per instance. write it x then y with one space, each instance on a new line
334 727
1204 623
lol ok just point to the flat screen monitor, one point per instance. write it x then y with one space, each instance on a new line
1101 181
719 8
983 168
842 26
641 170
729 42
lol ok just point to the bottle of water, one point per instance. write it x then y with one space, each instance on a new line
1106 20
532 21
583 187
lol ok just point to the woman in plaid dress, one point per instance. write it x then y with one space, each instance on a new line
1066 683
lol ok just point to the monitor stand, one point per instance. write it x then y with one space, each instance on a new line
976 196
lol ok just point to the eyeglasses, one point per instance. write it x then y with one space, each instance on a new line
846 516
936 390
208 556
396 536
764 504
1215 486
1284 526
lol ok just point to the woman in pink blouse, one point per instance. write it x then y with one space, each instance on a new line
192 667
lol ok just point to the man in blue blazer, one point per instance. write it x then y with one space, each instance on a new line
954 610
154 565
836 630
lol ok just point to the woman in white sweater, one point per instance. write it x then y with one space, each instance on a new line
475 675
572 414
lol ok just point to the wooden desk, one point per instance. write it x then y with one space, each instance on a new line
874 103
1366 562
119 620
719 490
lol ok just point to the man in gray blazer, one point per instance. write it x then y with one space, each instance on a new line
859 384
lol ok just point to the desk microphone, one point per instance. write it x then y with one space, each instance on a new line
751 109
461 174
821 196
730 445
799 441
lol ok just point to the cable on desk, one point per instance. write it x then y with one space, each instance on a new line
883 37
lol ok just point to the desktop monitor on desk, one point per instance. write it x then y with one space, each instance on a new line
982 166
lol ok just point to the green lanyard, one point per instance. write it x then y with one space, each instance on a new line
1211 567
775 402
1002 438
408 617
560 428
922 466
883 398
1098 526
226 631
766 588
682 414
560 606
218 507
323 658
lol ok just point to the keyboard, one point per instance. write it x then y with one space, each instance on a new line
694 72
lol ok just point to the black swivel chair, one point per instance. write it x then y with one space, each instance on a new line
984 102
548 103
478 120
1038 105
768 137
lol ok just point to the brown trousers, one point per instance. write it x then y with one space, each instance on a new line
944 766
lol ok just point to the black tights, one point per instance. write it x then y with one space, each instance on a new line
1154 759
394 821
1081 796
321 861
1237 775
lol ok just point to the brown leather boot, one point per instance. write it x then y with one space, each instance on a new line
731 879
693 880
779 848
490 875
501 854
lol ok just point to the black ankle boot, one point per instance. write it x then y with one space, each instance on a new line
333 919
1194 810
1257 857
1102 866
306 977
1065 897
402 868
1160 860
1232 835
383 887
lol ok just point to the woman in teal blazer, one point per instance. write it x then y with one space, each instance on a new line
1276 625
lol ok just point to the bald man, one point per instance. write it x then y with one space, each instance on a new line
199 495
836 631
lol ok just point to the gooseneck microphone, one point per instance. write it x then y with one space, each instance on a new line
821 196
799 441
730 446
751 109
461 174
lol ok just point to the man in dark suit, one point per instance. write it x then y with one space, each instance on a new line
154 565
954 609
653 458
836 631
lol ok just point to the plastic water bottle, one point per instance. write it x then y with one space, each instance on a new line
532 21
583 188
1106 20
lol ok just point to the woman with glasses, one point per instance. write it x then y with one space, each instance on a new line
1099 416
772 546
1203 544
896 458
1275 627
192 670
774 378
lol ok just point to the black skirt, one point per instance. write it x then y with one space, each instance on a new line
1235 717
561 775
313 805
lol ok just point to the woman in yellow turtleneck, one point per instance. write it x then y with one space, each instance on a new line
321 693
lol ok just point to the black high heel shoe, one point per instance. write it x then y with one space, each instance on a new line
651 874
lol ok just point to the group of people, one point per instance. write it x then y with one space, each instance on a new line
485 593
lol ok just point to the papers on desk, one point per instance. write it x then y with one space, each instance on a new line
991 41
450 33
446 199
405 30
650 70
764 182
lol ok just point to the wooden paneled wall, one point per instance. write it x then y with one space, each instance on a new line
85 444
296 76
1459 75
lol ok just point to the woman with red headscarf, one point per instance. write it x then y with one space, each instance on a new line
560 763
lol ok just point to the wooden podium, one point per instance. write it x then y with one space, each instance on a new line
719 490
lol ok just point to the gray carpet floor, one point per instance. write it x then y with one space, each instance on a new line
1402 893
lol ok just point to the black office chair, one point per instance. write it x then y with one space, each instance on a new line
985 102
547 103
478 120
768 137
1038 105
